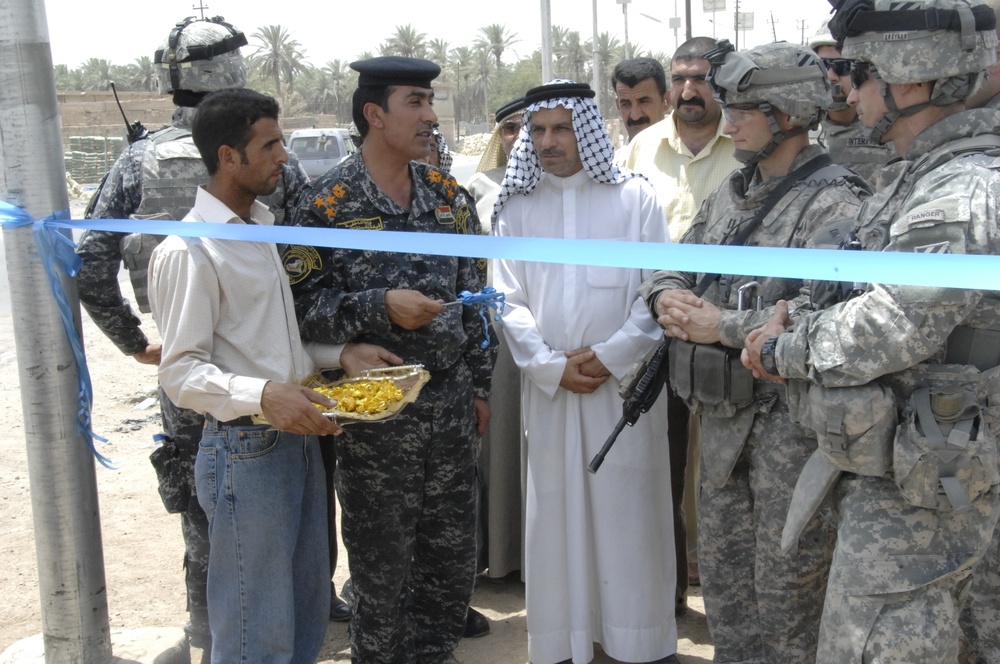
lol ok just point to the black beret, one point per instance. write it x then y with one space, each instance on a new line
509 108
395 70
557 90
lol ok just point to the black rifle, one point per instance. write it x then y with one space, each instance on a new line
641 399
654 377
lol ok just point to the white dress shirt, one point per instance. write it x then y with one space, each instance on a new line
225 313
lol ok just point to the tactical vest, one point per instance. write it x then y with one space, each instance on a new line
172 169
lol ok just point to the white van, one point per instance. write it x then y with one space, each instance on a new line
319 150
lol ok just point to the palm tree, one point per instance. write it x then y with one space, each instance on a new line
407 42
97 74
142 74
482 71
496 40
276 54
461 65
437 51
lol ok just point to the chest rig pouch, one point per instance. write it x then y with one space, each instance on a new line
944 455
854 426
710 377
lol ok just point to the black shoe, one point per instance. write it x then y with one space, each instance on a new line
179 653
476 624
340 611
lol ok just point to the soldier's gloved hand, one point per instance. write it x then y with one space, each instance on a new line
411 309
149 356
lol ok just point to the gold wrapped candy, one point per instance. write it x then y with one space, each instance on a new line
368 397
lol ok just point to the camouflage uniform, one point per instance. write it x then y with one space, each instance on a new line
761 605
120 196
850 146
406 486
899 568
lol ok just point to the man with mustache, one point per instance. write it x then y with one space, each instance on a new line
406 486
841 132
640 86
686 157
232 352
599 552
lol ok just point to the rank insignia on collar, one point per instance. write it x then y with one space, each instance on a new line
444 215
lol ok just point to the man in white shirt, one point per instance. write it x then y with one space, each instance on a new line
599 549
231 349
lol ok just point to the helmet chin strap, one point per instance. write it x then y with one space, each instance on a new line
777 137
894 113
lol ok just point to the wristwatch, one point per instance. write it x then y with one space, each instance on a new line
767 360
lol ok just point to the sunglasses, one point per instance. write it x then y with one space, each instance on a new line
840 66
511 128
860 71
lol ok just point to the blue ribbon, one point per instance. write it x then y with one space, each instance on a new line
55 249
493 299
913 269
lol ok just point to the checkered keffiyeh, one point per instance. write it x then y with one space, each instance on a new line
597 153
445 159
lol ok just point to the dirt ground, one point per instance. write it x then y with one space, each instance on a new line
142 543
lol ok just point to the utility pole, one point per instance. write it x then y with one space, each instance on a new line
598 85
802 27
736 25
64 505
774 32
546 41
201 6
624 4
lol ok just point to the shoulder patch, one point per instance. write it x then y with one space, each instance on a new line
936 248
462 217
299 261
924 216
444 215
366 224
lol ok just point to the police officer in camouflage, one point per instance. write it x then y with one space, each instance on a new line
406 487
902 381
156 177
762 604
841 133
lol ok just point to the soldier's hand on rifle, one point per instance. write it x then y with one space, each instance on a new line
573 379
778 324
411 309
151 355
684 315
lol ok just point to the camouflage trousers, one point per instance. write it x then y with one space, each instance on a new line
899 575
762 606
183 430
407 494
980 618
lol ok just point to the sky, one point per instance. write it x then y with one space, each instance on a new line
123 30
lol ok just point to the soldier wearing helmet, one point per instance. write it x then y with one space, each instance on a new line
762 604
157 177
917 500
841 133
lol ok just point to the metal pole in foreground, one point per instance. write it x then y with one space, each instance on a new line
546 11
62 478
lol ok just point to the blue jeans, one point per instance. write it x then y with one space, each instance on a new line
264 493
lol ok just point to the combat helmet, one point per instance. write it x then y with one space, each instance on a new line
201 56
780 76
948 43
